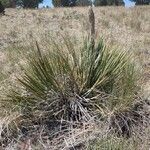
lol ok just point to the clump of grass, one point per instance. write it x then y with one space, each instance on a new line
67 82
73 83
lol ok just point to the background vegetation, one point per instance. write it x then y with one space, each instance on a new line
69 3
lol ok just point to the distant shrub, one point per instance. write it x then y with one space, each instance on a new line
2 9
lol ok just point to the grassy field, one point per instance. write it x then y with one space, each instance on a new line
128 29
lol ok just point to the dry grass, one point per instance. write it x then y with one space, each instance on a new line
126 28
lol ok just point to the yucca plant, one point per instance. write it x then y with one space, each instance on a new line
73 83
